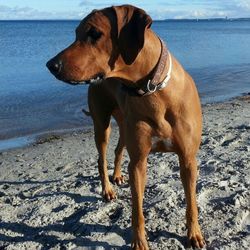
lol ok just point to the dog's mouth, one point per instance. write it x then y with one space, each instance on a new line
98 78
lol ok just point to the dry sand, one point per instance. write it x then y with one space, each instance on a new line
50 191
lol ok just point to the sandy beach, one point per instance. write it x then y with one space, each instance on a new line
50 191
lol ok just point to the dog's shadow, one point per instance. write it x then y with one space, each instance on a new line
46 235
73 227
153 236
79 230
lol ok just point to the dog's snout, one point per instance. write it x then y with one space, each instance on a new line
54 65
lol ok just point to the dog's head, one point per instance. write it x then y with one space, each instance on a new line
106 41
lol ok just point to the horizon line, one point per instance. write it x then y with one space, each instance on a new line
157 20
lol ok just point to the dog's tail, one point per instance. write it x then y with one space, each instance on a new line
87 113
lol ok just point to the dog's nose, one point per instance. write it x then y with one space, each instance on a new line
54 65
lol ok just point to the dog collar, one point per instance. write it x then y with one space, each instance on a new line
154 84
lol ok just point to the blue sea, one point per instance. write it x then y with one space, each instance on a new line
33 102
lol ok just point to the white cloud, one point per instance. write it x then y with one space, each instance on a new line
244 4
191 14
85 2
27 13
201 9
158 10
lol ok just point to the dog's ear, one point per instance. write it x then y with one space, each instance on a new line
132 23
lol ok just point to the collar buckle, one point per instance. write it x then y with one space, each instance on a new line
151 88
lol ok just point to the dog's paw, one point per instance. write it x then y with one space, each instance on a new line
139 244
195 238
109 194
118 180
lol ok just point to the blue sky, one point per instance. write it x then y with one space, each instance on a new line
158 9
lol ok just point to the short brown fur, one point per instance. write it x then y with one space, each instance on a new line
126 53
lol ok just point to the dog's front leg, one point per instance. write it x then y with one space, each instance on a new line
102 134
188 171
138 145
137 179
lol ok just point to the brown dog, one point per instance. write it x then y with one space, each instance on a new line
154 112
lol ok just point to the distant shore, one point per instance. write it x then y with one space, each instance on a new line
219 19
50 193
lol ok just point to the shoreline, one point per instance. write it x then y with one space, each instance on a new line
27 140
50 192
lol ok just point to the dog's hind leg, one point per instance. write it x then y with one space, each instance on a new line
118 178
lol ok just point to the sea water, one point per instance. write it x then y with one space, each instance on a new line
32 101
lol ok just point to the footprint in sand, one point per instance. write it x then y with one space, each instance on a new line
66 167
204 197
230 141
243 127
2 194
245 222
209 166
116 214
58 209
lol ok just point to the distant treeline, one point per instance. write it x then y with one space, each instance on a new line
205 19
163 20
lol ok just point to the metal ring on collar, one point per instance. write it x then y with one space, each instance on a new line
148 87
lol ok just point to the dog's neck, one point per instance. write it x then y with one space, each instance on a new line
145 62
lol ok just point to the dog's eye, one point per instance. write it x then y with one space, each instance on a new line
94 34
